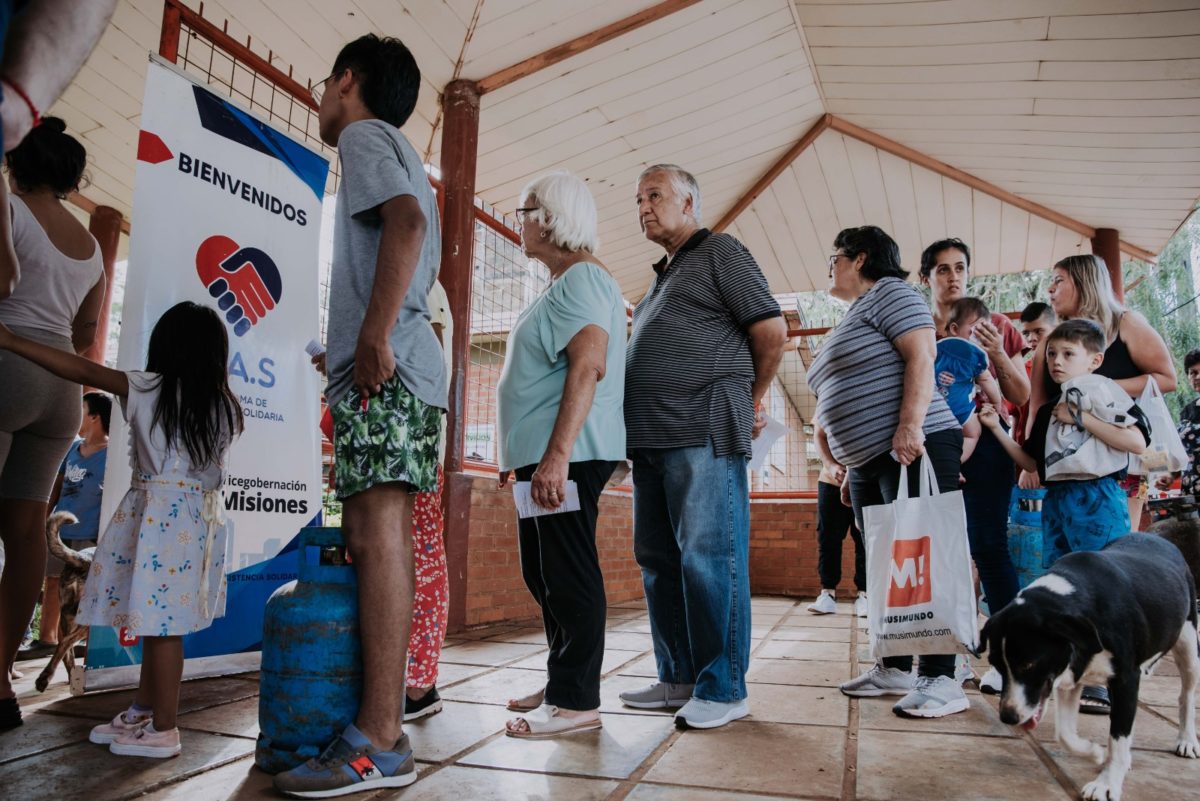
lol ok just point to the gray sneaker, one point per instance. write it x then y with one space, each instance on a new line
933 697
877 681
700 714
658 695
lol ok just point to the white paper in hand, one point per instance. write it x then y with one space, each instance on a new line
527 508
766 439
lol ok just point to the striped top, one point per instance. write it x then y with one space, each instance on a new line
858 375
688 369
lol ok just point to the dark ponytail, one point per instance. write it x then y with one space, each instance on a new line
48 158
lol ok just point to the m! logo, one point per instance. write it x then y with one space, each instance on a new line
910 584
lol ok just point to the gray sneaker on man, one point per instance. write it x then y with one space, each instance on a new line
700 714
658 695
933 697
877 681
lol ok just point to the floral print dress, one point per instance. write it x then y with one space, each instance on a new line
1189 432
159 568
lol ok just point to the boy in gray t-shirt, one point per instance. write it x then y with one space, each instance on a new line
386 392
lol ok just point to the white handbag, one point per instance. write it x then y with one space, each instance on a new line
1166 452
921 595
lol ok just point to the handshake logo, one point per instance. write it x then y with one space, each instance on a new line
245 281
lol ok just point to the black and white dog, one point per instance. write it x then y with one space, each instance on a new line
1099 617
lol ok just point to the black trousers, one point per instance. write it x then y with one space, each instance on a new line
833 521
878 481
562 571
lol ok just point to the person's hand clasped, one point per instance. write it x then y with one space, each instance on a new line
760 422
1062 413
1029 480
988 416
318 362
374 364
908 443
548 486
504 476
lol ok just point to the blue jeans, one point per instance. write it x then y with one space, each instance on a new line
986 495
691 537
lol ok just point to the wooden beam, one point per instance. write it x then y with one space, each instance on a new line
529 66
168 38
90 206
942 168
770 175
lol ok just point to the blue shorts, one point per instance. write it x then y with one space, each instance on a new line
1082 516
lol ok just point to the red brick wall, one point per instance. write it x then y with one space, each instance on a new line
783 550
495 590
783 553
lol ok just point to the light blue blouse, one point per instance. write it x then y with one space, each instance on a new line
535 370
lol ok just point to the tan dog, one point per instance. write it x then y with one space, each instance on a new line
76 566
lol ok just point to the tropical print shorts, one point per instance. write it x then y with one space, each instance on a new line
392 437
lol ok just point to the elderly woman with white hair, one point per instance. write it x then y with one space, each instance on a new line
561 420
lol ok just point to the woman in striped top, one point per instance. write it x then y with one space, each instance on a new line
873 379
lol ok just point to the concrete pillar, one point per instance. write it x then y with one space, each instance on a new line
460 140
105 225
1107 245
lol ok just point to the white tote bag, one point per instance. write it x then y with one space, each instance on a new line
921 595
1165 452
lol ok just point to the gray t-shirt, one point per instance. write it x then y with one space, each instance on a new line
378 164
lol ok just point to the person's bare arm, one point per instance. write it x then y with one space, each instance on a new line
87 319
990 388
10 268
403 231
586 358
66 365
918 349
1037 384
835 470
990 418
47 44
768 339
1129 439
56 493
1149 353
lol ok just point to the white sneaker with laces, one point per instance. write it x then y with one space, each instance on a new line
933 697
860 605
991 683
877 681
962 670
824 605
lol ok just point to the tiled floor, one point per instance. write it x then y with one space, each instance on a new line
803 740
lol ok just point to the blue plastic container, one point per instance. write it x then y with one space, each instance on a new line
311 659
1025 533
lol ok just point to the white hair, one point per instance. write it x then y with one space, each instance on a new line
566 210
682 181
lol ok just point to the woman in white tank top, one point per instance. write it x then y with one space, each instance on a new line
57 299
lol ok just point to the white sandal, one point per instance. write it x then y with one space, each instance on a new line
546 722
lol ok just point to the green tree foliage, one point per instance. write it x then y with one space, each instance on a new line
1166 294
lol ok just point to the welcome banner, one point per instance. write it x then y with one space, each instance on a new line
227 213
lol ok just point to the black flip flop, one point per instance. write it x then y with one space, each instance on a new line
1095 701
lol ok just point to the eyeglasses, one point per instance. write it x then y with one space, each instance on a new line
318 89
521 213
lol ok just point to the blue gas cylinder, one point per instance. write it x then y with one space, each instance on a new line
311 660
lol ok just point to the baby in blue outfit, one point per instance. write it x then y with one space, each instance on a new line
962 367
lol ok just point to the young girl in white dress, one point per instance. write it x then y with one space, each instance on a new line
159 570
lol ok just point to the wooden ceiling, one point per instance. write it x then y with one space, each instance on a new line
1088 109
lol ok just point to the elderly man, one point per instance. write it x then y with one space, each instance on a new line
707 340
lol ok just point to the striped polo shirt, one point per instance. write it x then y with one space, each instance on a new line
858 375
688 369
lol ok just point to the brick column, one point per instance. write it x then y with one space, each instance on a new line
460 139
